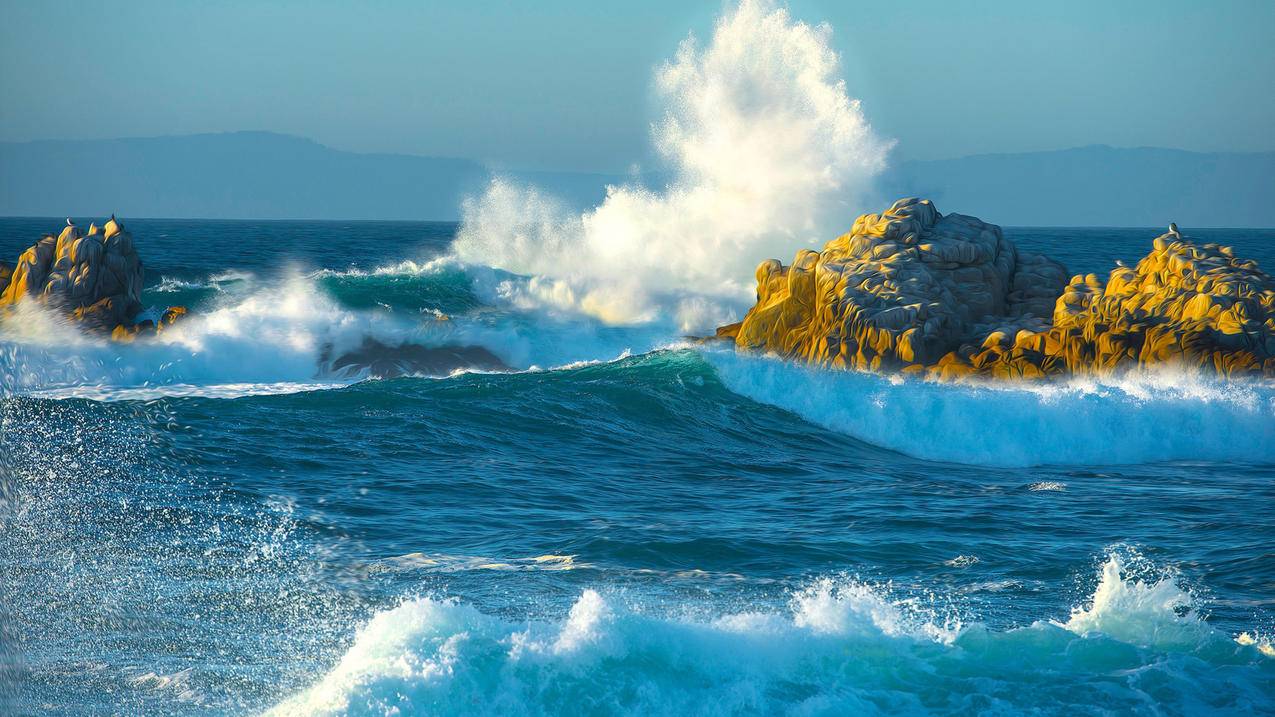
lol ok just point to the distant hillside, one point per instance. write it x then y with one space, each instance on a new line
261 175
1100 186
256 175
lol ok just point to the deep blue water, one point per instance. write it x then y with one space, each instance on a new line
626 524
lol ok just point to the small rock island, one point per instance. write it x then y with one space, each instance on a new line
93 279
949 296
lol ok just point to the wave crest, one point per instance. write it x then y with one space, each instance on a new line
1135 419
841 646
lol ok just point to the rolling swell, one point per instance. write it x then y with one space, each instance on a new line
631 537
255 337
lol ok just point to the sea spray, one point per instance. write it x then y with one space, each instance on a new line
276 336
1139 604
768 152
841 645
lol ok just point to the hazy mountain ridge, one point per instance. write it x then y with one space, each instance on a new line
264 175
1099 185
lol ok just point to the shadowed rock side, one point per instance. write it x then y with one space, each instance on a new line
950 296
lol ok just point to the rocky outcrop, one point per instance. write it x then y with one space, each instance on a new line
949 296
94 278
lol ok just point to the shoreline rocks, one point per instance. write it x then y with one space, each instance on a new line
915 291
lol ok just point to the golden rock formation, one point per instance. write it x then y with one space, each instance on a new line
92 278
950 296
95 278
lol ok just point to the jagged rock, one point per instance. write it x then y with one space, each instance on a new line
902 288
93 278
949 296
1194 305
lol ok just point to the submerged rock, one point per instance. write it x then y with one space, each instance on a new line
913 290
385 361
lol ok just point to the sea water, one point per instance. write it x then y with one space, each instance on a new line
626 523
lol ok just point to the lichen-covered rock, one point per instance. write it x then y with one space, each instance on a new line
93 278
903 288
950 296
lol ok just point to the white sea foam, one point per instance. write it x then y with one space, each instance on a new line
1138 605
275 338
1136 419
406 267
183 390
216 282
768 151
839 646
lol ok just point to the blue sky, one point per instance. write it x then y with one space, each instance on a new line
566 84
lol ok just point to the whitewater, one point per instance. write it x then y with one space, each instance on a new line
625 521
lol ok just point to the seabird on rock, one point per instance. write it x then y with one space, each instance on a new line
1173 228
69 223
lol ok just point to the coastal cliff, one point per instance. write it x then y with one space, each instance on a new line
948 296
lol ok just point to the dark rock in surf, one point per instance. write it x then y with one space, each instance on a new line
385 361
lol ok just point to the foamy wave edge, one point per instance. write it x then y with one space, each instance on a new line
840 645
1083 421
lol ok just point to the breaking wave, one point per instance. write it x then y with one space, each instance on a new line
1135 419
768 153
840 646
277 336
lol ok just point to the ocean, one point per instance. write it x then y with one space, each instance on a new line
627 523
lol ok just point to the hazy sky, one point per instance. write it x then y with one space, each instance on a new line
566 84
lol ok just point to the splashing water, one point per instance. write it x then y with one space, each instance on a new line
1136 604
841 645
768 151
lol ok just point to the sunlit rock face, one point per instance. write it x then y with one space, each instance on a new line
913 290
94 278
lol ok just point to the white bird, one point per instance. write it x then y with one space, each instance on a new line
69 223
1173 229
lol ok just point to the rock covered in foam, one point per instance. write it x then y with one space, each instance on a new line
914 290
93 278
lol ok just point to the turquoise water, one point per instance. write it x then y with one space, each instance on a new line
626 524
